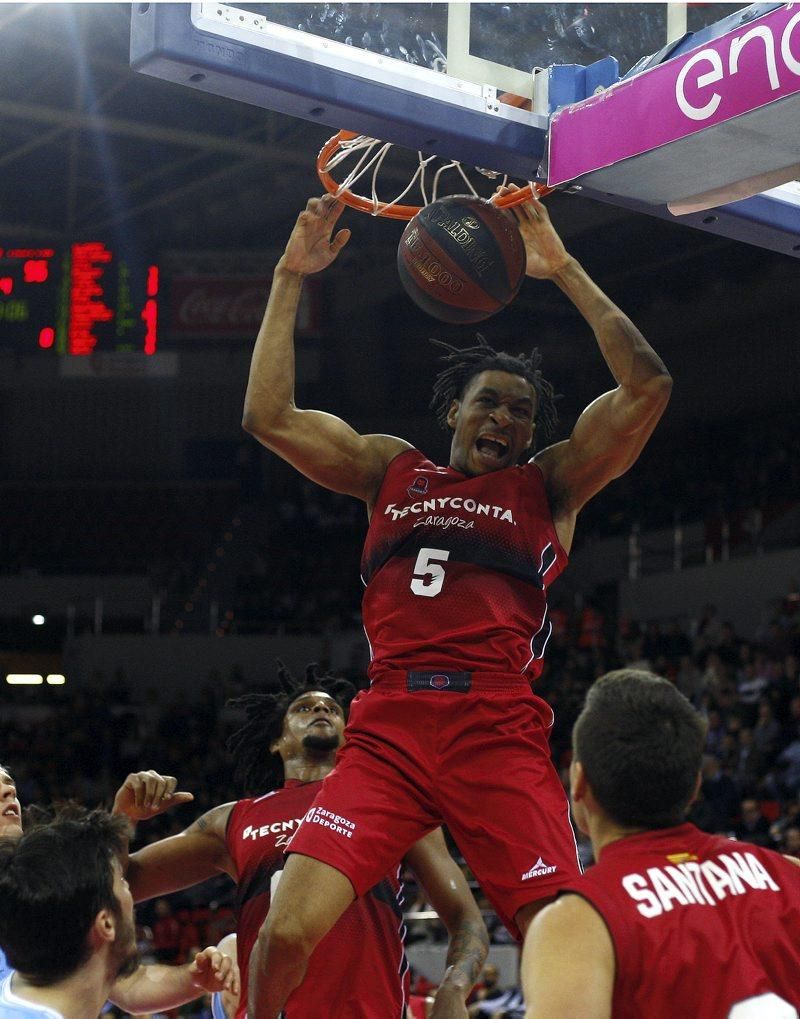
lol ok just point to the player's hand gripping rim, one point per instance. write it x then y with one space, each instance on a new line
312 245
545 251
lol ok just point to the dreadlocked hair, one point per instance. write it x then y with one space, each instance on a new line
463 364
256 767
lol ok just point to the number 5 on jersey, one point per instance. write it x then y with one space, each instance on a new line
428 573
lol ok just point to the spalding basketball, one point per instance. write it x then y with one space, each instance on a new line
461 259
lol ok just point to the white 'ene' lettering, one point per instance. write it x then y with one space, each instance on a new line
716 71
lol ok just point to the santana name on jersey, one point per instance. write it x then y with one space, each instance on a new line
705 882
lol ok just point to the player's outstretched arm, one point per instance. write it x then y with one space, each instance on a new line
449 894
568 965
158 988
321 446
180 861
612 431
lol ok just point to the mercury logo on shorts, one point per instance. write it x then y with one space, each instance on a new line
439 682
539 869
337 824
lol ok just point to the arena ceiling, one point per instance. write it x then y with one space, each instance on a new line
91 149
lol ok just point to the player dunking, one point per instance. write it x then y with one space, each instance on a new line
670 921
284 750
456 564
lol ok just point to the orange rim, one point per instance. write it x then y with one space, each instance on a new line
392 211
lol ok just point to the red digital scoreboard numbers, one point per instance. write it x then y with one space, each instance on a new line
76 301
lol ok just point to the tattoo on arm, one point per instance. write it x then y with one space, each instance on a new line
466 954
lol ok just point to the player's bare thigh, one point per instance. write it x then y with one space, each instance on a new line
310 896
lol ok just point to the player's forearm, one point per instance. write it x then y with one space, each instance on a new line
175 863
147 882
155 988
630 358
117 811
469 945
270 387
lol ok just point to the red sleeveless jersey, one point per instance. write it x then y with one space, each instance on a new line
359 969
456 569
702 925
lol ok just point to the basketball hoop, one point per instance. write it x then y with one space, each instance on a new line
372 154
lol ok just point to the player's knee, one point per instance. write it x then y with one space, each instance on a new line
287 936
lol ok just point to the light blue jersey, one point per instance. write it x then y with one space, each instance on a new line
5 969
12 1007
217 1011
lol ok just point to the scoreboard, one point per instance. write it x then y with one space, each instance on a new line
84 298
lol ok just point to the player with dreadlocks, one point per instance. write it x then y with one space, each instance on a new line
456 564
282 752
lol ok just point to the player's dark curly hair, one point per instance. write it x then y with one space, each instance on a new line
463 364
54 880
256 767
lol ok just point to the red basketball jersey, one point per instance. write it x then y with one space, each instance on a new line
457 568
702 925
359 969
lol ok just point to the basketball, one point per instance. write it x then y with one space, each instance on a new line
461 259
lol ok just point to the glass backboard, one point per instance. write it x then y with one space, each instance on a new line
459 80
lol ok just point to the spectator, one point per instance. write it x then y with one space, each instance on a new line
490 999
790 843
689 679
753 826
720 792
766 735
789 765
715 733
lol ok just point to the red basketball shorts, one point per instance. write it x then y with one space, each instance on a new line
476 759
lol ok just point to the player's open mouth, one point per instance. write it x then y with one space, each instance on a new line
321 721
12 811
492 447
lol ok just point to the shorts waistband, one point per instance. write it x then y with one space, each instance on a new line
449 681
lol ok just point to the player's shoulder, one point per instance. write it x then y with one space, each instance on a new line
397 460
286 797
13 1007
571 920
568 910
383 449
212 824
548 462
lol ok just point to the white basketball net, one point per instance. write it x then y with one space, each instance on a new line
374 152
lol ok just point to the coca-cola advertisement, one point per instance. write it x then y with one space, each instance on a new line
230 307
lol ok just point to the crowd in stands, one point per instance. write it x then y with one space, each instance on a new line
745 470
299 575
111 529
727 467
